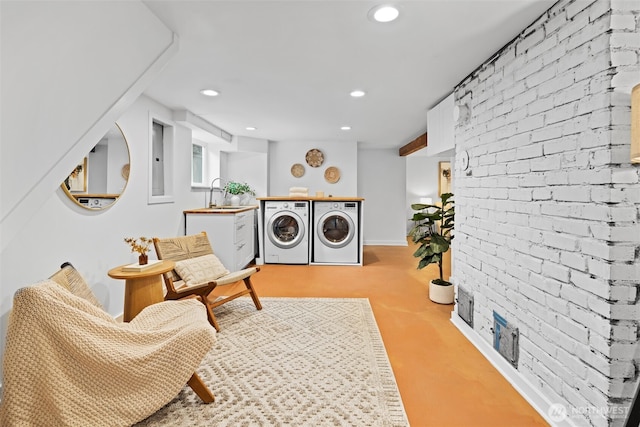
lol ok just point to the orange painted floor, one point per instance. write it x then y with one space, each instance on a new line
444 381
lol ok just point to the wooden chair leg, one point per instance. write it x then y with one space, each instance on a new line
212 317
252 292
200 389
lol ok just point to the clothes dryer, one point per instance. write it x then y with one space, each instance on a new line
286 229
336 232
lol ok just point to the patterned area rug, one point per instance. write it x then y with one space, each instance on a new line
297 362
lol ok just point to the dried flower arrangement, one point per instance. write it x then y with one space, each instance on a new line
73 175
140 245
76 171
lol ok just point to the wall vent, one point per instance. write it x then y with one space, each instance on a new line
506 339
465 306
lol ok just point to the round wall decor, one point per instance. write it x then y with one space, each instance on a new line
297 170
464 160
332 175
314 158
125 171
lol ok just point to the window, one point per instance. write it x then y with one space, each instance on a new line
160 162
198 165
157 160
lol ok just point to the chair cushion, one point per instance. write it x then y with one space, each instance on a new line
199 270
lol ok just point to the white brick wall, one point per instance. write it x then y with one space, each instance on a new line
547 216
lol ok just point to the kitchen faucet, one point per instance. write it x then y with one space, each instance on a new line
212 189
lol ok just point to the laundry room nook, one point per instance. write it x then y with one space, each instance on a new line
310 230
289 213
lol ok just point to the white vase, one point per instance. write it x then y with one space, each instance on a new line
441 294
235 200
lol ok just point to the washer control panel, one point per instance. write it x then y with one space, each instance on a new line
350 206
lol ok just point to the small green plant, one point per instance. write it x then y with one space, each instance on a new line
432 230
238 188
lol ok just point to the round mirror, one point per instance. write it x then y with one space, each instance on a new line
101 177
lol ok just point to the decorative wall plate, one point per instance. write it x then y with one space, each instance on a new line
125 171
332 175
314 158
297 170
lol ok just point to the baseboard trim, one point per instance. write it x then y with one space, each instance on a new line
385 243
537 400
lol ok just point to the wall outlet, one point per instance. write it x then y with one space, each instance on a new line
465 306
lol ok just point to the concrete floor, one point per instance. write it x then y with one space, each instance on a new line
444 381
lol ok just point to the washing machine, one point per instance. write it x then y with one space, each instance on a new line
286 230
336 233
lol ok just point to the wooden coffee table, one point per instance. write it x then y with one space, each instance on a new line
142 288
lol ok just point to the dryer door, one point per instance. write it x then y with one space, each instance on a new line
336 229
285 229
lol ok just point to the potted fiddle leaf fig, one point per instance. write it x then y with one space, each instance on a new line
433 232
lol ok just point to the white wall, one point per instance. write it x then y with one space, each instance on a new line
104 165
97 161
93 241
283 155
376 175
68 70
382 183
249 167
117 157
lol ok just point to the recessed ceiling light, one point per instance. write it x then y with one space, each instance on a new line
250 128
384 13
357 93
209 92
345 128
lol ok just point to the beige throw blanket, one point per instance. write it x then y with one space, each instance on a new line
67 362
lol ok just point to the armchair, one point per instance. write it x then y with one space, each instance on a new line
198 272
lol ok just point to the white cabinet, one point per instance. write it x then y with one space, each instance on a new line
232 235
440 127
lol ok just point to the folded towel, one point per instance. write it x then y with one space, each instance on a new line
298 194
298 190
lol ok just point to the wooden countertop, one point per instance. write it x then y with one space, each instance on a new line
94 196
221 210
315 199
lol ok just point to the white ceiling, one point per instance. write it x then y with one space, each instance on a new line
287 67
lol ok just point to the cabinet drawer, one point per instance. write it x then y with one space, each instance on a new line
232 236
241 230
243 227
243 254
